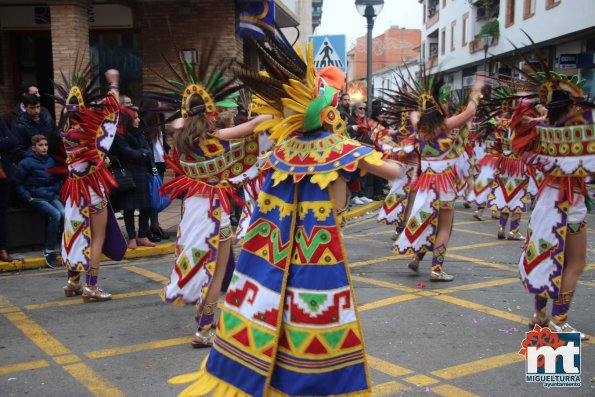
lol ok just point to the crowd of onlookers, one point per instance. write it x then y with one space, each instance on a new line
33 168
367 188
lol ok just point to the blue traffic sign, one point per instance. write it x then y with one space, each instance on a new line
330 50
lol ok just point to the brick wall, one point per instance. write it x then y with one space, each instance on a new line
6 84
70 36
186 25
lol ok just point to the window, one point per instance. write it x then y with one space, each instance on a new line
528 9
510 5
433 50
464 29
443 41
453 25
551 3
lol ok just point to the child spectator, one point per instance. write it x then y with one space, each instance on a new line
40 188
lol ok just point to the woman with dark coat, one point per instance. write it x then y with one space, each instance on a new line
132 151
7 144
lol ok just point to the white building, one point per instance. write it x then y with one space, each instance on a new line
564 30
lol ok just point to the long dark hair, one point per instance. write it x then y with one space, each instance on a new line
558 107
431 124
195 127
152 120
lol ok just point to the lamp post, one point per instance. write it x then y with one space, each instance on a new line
369 9
486 38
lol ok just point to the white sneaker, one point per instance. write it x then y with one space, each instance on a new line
366 200
136 213
357 201
119 215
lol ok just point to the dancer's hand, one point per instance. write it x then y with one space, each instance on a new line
112 76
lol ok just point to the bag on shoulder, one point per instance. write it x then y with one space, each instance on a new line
123 178
158 202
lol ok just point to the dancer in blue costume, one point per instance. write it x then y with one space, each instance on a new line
290 325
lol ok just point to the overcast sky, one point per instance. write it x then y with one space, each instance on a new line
341 17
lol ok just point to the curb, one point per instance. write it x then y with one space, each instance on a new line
38 262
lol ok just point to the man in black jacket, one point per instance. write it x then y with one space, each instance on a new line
35 122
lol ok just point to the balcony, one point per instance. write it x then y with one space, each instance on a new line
477 44
316 3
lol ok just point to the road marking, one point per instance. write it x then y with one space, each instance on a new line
387 301
148 274
358 238
75 301
474 367
590 266
85 375
377 260
587 283
372 219
7 369
389 389
47 343
472 222
473 232
484 309
451 391
485 284
94 382
387 367
385 284
482 262
67 359
136 348
421 380
479 245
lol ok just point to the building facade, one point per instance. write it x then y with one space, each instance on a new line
40 39
456 35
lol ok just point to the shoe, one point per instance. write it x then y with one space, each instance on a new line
158 231
477 215
199 340
50 260
95 295
136 213
119 215
495 215
144 242
414 265
537 320
153 237
71 288
500 233
366 200
132 245
567 328
466 205
395 236
442 276
5 257
515 236
357 201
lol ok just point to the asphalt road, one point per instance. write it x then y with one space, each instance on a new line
449 339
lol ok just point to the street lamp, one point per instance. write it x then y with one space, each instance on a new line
369 9
486 39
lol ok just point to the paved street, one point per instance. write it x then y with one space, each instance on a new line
450 339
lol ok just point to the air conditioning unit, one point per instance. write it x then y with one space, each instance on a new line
468 81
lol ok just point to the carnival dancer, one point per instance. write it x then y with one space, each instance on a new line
90 227
487 162
509 191
563 146
429 225
208 172
290 325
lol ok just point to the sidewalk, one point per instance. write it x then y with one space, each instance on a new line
168 219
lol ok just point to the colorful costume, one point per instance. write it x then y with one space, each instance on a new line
206 178
290 325
87 136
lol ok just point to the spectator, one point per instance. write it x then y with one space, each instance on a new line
20 107
154 132
133 152
344 107
359 133
126 101
7 144
40 188
35 122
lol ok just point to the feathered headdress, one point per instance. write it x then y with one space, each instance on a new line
544 83
190 79
78 91
290 89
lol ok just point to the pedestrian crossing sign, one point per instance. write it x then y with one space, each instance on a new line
330 50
